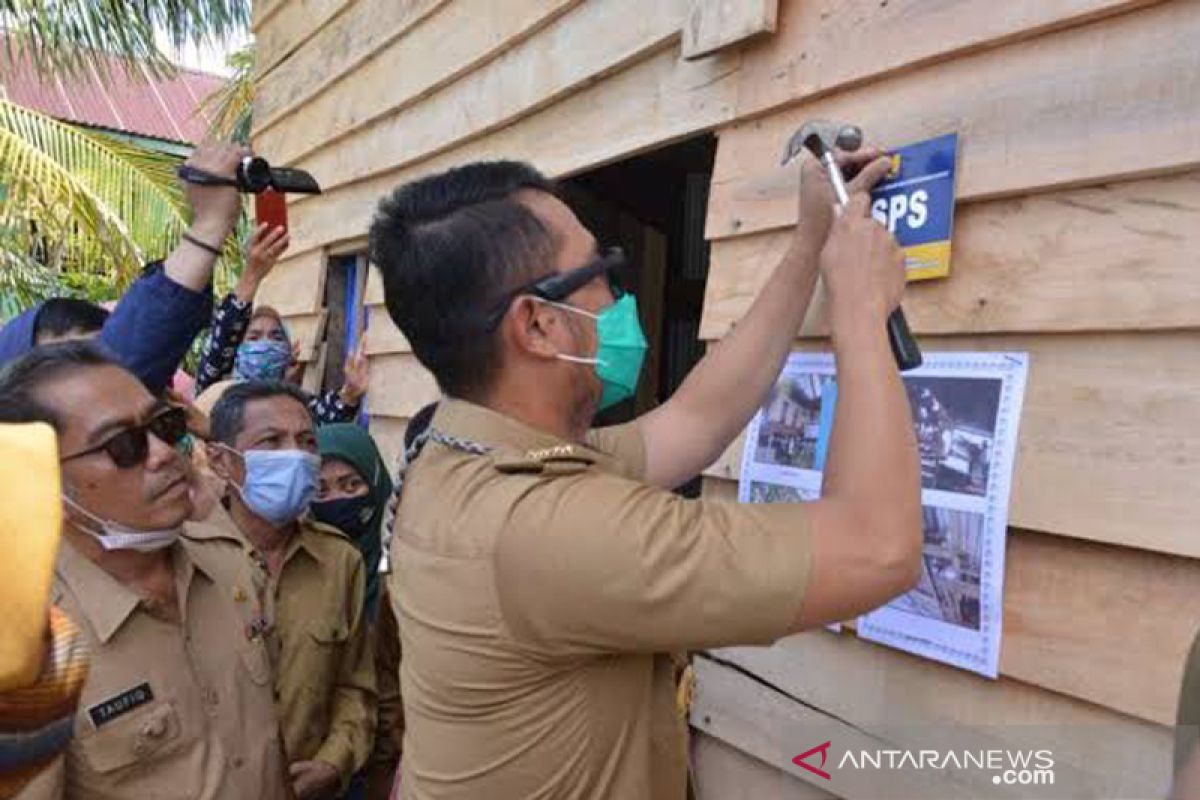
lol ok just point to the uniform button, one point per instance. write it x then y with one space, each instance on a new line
237 762
153 728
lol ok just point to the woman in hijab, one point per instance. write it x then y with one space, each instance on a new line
354 490
251 343
353 496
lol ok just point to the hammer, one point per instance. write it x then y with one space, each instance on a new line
815 136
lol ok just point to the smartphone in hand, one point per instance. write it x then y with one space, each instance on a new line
270 208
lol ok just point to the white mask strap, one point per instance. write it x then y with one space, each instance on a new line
578 359
96 532
566 307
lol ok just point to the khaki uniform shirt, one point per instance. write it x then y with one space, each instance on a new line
539 589
389 730
170 711
319 644
1187 717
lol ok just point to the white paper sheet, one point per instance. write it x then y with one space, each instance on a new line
966 411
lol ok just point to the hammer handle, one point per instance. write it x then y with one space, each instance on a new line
904 347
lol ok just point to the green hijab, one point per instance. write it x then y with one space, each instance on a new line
350 443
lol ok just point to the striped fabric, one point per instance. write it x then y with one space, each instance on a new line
36 721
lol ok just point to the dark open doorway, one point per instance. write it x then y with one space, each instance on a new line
654 205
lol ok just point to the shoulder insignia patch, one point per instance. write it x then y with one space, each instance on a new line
548 453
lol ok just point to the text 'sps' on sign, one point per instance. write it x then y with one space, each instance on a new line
916 203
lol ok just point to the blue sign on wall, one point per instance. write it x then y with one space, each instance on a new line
916 203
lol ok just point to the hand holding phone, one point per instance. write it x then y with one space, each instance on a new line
270 208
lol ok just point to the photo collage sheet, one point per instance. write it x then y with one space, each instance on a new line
966 410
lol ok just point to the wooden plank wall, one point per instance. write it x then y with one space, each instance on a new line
370 93
1075 240
1072 243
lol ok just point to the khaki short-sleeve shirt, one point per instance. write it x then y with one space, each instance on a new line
319 643
170 711
539 589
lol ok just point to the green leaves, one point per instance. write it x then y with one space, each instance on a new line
63 35
230 108
81 203
81 211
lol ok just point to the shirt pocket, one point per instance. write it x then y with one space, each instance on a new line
137 738
327 644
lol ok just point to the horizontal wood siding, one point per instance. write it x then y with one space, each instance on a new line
1075 240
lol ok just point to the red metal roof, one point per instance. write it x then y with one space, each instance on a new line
136 103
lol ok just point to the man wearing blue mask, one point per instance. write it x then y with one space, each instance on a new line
264 447
543 571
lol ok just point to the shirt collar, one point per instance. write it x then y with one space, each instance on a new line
220 525
105 601
307 541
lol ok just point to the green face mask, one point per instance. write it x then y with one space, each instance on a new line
620 351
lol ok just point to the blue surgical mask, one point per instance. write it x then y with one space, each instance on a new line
620 349
279 484
264 360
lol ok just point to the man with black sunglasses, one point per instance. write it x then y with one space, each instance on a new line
543 571
178 700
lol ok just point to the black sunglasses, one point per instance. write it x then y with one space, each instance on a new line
130 447
559 286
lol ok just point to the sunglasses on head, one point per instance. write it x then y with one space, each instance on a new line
561 285
130 447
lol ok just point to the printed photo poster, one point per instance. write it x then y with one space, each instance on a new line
786 440
966 411
784 452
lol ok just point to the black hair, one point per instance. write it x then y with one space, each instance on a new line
228 416
419 424
449 247
60 316
21 379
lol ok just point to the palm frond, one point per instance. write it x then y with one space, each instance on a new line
63 35
83 203
24 283
231 107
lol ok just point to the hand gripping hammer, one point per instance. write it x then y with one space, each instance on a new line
815 136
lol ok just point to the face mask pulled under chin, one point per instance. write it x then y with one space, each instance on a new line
114 536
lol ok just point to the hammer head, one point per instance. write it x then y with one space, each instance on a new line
818 136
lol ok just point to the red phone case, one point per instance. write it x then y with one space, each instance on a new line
270 208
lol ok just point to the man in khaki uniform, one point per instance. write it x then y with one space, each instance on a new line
177 702
542 571
311 583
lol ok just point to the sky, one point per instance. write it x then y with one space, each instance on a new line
208 59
